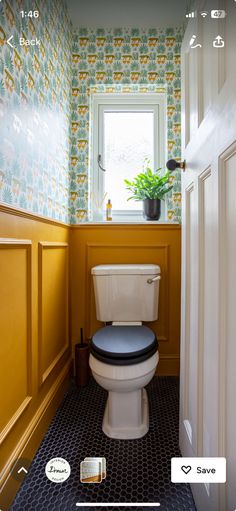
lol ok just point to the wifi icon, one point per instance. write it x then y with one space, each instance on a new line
204 14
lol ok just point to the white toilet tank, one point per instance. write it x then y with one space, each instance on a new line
123 293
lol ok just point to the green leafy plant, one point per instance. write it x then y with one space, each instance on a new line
149 185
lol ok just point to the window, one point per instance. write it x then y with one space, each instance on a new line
126 129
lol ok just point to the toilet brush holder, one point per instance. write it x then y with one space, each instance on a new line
82 370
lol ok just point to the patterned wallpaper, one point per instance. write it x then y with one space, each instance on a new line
35 88
44 149
122 60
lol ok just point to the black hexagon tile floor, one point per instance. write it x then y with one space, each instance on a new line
137 470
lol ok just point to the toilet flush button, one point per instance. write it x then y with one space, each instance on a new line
198 470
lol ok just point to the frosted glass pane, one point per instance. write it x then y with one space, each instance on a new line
128 140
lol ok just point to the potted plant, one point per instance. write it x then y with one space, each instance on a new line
150 187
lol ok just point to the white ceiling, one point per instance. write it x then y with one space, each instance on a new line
127 13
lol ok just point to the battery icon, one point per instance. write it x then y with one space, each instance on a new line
218 13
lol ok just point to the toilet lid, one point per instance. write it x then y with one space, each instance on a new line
123 345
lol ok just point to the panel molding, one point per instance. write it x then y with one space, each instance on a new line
223 302
206 174
185 100
222 374
146 246
14 243
186 334
42 246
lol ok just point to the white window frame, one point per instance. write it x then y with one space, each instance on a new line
155 102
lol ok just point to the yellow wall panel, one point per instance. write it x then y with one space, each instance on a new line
137 243
15 330
31 388
53 313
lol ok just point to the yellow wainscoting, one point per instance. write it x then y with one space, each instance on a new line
35 355
16 338
35 352
53 314
133 243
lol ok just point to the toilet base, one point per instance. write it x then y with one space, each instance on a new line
126 415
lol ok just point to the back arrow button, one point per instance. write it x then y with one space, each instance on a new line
8 41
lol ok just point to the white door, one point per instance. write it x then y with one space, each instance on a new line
208 339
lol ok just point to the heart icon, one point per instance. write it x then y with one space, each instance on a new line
185 469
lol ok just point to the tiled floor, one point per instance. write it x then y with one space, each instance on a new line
137 470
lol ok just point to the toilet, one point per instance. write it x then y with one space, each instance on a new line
124 353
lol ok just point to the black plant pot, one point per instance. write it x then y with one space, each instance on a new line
152 209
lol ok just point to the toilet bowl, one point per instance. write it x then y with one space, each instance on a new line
124 355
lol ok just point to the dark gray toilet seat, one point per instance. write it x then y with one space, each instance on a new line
124 345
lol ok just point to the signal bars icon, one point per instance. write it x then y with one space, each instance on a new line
191 14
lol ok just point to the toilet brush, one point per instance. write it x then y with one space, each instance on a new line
82 371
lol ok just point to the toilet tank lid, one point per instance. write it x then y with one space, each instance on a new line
126 269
